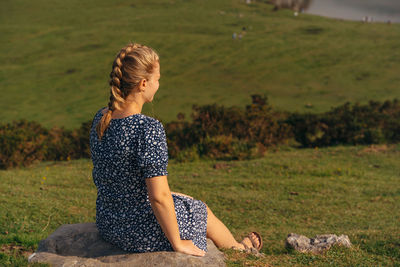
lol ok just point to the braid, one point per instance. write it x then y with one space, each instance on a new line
117 96
132 64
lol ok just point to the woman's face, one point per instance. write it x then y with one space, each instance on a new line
152 84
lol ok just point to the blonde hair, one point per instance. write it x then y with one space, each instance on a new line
132 64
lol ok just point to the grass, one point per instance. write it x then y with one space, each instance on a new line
56 57
340 190
55 60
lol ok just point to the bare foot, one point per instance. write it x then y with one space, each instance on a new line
248 241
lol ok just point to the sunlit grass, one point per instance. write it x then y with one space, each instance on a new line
340 190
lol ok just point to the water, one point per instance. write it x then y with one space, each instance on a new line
377 10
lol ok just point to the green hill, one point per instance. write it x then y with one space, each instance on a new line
57 55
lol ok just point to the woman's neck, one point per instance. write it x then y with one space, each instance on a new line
133 104
130 107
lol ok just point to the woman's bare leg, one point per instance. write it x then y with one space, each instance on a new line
219 233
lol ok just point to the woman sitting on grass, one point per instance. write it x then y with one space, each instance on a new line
135 209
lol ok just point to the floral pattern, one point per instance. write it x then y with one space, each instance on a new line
132 149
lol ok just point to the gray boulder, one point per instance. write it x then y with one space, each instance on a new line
81 245
316 245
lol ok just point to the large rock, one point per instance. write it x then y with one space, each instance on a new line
318 244
81 245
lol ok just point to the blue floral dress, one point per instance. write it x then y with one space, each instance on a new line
132 149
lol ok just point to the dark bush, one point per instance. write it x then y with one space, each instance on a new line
22 143
229 130
223 147
372 123
218 132
81 142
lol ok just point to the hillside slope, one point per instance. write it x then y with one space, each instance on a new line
57 55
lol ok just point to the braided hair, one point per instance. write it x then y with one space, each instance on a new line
132 64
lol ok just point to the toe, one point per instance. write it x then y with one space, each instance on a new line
255 240
247 241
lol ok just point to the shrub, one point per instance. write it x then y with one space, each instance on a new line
81 140
222 147
188 154
180 136
218 132
22 143
372 123
213 127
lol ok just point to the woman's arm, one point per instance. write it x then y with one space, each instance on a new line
163 207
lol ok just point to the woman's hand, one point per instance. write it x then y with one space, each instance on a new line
163 207
187 247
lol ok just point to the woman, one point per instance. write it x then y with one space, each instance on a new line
135 209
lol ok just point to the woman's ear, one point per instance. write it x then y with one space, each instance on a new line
142 85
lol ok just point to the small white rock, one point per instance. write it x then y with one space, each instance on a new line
31 256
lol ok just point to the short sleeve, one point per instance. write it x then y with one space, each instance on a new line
153 151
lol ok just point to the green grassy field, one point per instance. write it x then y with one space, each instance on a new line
57 55
340 190
55 61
